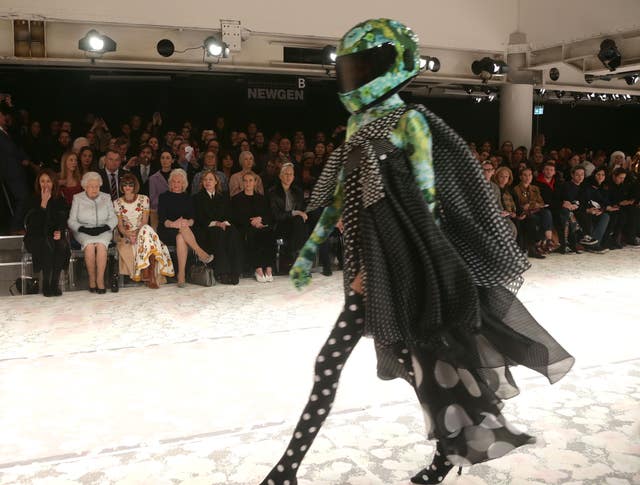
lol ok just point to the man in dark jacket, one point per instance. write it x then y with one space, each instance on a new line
12 170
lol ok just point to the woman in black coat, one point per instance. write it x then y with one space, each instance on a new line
44 238
252 216
214 233
287 204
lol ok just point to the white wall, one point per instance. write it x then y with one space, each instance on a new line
553 22
463 24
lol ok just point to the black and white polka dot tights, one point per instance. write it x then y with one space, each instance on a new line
329 363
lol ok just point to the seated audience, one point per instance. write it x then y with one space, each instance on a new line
45 224
70 177
86 161
142 255
596 217
210 164
92 221
535 216
236 181
503 179
287 204
158 184
214 231
252 216
622 195
175 219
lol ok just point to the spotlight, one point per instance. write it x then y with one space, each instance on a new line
165 48
590 96
577 96
477 99
214 47
626 97
96 43
329 55
631 80
488 91
542 91
560 94
468 89
609 54
486 68
603 97
492 97
615 97
429 63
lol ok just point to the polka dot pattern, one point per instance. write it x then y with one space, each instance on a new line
328 366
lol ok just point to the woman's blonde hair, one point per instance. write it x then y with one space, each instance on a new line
502 170
178 172
63 166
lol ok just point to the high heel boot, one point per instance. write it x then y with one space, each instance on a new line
437 471
152 283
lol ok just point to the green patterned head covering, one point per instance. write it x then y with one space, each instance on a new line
381 55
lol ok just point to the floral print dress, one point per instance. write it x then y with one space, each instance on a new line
135 257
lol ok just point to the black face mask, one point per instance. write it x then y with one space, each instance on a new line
357 69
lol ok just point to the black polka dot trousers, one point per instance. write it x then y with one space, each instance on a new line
329 363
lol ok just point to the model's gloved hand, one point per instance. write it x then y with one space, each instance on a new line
300 273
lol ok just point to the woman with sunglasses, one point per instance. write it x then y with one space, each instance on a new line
142 254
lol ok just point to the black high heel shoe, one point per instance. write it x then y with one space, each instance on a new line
437 471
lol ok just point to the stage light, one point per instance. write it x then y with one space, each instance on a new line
492 97
626 97
486 68
542 91
429 63
329 55
96 43
477 99
615 97
609 54
631 80
560 94
603 97
577 96
214 47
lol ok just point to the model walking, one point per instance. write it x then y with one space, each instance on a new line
430 267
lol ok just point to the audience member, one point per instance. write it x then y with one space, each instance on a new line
45 239
142 255
92 221
236 180
175 218
252 215
70 177
214 231
210 164
535 216
287 204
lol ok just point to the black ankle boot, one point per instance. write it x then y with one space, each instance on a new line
437 471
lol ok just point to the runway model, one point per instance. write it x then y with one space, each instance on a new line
431 270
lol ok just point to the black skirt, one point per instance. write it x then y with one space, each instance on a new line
452 339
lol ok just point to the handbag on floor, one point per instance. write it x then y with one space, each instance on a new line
201 274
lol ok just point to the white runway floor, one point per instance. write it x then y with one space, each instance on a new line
203 386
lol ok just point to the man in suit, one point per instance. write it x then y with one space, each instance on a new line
142 168
111 174
12 170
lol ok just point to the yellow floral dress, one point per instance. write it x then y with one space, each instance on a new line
135 257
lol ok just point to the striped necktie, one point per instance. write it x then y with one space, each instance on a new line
114 187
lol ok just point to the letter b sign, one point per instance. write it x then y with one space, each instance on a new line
302 83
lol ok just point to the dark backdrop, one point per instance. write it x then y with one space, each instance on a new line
56 93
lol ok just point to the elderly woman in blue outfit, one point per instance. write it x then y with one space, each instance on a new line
92 220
